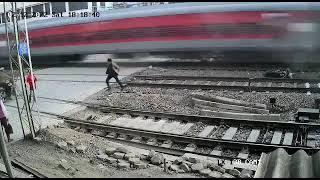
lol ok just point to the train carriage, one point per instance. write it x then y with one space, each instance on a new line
182 27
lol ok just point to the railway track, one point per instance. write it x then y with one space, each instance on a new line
218 138
170 137
217 134
27 169
222 72
237 83
285 132
239 67
221 64
21 170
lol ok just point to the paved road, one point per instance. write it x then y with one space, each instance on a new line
62 90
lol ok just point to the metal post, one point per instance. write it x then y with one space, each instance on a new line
12 73
5 155
22 81
29 58
19 62
27 105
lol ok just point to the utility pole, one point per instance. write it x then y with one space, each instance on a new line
10 48
18 44
30 65
16 37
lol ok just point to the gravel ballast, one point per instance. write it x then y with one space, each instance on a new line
48 159
220 72
180 100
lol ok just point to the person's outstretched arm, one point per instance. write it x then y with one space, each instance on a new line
116 66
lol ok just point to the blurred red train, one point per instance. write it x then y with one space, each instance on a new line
204 27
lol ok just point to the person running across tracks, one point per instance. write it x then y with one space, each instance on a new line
112 72
4 120
31 80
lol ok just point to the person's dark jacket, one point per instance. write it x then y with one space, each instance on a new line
112 69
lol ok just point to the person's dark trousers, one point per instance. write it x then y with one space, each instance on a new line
8 91
33 95
7 127
115 76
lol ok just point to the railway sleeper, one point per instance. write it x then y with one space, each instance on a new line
191 148
202 142
229 106
211 132
226 164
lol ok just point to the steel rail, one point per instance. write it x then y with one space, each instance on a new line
191 118
210 120
190 139
246 88
18 164
247 66
202 141
178 152
261 79
210 87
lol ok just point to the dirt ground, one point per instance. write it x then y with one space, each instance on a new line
45 157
